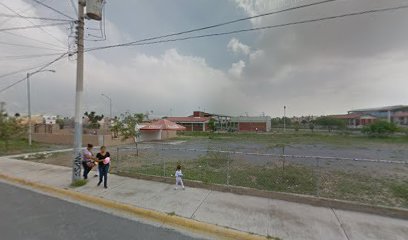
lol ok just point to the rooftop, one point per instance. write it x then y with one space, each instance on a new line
381 109
347 116
163 124
189 119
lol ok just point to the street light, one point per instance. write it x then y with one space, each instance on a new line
284 118
110 104
29 102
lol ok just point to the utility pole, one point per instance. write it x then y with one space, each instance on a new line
284 118
29 109
76 168
30 127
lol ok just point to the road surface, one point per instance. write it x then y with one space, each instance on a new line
29 215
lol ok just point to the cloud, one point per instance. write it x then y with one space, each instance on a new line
237 69
321 68
236 46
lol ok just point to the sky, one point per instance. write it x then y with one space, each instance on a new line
326 67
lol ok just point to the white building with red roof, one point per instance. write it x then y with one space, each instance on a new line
160 130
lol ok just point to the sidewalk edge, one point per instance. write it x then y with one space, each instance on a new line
171 220
283 196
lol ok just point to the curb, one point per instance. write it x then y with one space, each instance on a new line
289 197
171 220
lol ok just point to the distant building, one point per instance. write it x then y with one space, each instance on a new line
192 124
159 130
251 124
361 117
381 112
49 119
222 121
356 120
199 122
400 118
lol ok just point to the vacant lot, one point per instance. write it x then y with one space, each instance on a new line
18 146
367 182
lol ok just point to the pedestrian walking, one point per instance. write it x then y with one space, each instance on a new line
103 165
88 160
179 177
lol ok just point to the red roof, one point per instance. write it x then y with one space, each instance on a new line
189 119
347 116
401 114
163 124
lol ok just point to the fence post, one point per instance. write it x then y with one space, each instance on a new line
164 166
283 159
228 168
318 177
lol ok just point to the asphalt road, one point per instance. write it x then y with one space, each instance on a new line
29 215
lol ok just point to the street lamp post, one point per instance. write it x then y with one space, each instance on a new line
284 118
110 105
29 103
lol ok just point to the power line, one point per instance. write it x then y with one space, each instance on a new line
22 11
33 26
19 57
226 23
19 71
53 9
74 7
143 42
33 39
36 18
28 46
38 70
10 9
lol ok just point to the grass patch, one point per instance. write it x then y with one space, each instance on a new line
171 213
400 190
337 139
79 183
294 178
19 146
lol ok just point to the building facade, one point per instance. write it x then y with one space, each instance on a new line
251 124
192 124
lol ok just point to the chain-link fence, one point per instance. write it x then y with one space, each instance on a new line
371 181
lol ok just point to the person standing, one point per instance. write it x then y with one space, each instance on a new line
179 175
88 160
103 164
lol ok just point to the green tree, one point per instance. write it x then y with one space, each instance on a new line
296 126
311 126
10 128
93 120
127 127
380 128
330 123
211 124
60 122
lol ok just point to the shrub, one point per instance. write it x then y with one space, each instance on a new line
380 128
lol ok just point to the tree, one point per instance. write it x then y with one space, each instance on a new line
380 128
93 120
330 122
17 115
211 124
127 127
60 122
296 126
10 128
311 126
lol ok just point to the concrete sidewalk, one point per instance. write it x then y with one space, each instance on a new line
267 217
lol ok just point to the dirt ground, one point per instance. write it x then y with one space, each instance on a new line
363 181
